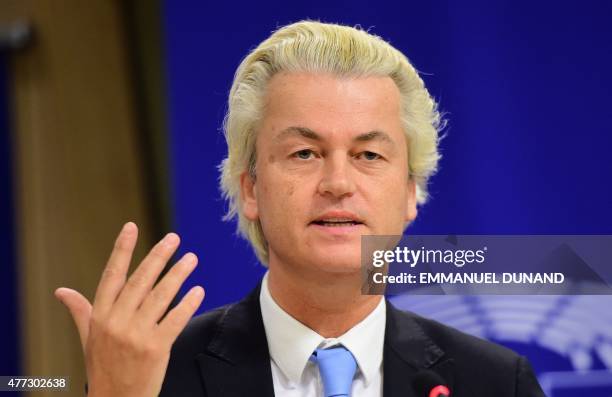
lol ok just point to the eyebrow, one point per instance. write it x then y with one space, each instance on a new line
307 133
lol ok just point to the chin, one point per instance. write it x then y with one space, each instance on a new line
338 260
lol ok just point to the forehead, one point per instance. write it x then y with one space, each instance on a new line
325 102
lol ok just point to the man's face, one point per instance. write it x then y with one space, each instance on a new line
331 166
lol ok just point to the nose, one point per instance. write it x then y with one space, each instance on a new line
337 180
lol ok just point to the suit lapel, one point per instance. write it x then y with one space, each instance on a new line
408 350
236 361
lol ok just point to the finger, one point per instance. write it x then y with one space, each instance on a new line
114 275
80 310
158 300
176 320
141 281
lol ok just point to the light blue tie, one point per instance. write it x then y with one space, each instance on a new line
337 367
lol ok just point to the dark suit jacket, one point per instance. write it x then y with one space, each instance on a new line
225 353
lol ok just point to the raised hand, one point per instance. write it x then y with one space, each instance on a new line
125 344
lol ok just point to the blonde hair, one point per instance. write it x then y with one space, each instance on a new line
344 51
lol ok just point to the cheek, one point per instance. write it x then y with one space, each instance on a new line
388 202
278 201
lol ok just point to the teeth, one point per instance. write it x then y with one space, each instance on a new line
337 222
342 223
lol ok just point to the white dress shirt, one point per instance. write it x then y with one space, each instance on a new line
291 344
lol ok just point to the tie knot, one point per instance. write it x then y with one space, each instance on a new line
337 367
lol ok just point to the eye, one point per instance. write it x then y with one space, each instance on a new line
304 154
370 156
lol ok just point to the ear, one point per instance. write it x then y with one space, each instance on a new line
411 209
248 193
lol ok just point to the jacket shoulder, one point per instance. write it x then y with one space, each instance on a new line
183 373
487 365
198 333
460 345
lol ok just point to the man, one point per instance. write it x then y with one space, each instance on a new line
331 135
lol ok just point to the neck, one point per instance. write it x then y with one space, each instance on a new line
329 304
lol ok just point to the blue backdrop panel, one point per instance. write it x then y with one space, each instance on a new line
9 341
525 86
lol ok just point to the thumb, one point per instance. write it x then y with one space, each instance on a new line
80 310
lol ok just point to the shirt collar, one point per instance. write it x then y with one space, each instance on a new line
291 343
366 341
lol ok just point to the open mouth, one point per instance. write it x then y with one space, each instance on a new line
336 223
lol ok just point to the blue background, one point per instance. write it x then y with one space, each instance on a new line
525 86
9 340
